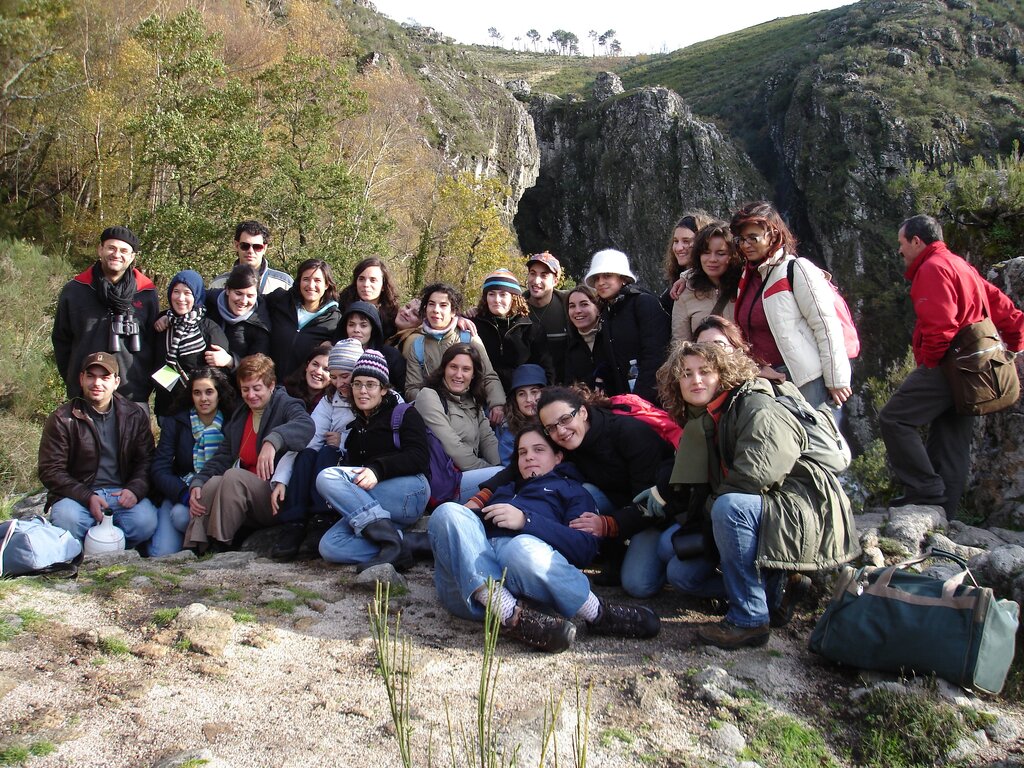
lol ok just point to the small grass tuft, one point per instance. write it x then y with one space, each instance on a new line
164 616
611 735
907 729
114 646
183 644
281 606
42 748
304 594
244 617
31 619
14 755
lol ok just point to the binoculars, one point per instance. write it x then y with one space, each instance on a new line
128 327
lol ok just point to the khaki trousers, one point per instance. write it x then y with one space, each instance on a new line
236 498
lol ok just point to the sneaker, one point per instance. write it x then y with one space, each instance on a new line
727 635
539 630
624 620
289 538
795 592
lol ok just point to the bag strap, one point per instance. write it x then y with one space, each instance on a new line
396 421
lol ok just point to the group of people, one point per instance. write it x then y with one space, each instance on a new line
380 401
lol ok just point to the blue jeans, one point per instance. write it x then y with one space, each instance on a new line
471 480
171 522
464 558
400 499
604 504
138 523
643 572
736 521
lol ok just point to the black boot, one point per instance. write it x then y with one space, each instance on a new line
384 533
289 538
416 545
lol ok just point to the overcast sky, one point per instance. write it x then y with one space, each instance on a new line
641 26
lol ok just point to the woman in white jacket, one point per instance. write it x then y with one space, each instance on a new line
792 329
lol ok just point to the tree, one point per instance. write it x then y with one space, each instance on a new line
534 36
616 47
606 38
592 34
495 35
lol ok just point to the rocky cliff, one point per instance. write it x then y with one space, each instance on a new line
618 172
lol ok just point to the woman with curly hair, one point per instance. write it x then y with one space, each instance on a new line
372 283
711 282
774 514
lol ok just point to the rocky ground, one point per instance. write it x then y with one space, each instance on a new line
236 660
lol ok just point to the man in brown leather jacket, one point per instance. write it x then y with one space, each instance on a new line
94 457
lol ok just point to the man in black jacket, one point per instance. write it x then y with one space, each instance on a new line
110 307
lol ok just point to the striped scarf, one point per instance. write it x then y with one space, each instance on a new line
184 337
207 439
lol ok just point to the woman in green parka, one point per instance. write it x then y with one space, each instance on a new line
773 509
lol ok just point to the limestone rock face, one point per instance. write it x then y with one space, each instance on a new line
606 85
998 460
619 172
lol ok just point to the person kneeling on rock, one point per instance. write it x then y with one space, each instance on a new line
523 531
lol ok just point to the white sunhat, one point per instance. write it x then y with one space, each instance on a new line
612 262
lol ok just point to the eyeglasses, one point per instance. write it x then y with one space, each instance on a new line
256 247
749 239
561 421
369 386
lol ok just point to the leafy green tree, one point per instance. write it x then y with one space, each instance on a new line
199 145
315 204
534 36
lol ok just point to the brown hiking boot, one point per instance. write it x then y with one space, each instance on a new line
625 620
539 630
727 635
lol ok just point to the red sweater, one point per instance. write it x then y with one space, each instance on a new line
947 294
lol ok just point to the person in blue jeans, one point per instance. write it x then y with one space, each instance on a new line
775 513
94 457
523 533
383 487
190 435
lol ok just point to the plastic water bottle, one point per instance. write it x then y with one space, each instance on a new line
634 374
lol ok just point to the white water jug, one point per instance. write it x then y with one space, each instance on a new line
105 537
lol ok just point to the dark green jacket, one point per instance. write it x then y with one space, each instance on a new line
807 521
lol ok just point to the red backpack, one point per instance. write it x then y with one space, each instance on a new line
638 408
850 338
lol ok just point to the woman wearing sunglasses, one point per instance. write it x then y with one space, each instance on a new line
618 457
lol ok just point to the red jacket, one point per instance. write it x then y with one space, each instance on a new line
947 294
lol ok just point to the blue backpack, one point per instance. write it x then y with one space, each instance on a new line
36 546
445 477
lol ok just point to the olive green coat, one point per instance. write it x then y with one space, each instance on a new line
806 521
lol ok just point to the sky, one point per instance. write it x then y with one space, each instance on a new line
641 26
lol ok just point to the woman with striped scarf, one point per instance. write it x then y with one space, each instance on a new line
191 340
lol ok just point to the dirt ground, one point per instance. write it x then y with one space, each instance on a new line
280 671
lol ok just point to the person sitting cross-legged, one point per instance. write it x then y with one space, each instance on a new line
95 454
523 532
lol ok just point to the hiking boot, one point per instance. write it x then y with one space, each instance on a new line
795 592
539 630
727 635
416 544
625 620
317 526
289 538
383 533
907 499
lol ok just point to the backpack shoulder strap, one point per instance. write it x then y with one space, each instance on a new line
396 421
417 349
465 337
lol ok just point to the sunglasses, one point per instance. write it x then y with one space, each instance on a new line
561 421
256 247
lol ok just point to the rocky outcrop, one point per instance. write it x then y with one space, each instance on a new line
620 172
998 451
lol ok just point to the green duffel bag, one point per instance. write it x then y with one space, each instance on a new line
895 620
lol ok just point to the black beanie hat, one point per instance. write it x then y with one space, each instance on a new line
120 233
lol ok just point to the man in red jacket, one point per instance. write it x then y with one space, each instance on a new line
947 294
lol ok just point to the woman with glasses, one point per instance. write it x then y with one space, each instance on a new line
792 329
303 316
453 405
618 457
382 488
710 283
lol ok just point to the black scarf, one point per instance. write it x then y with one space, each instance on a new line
184 336
117 297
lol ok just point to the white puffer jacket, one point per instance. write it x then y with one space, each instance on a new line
803 320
